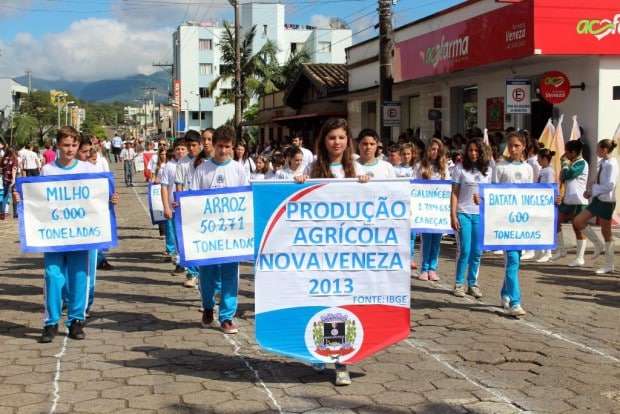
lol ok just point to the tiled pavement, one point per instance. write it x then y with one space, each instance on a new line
145 351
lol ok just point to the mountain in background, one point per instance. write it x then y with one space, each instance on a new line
110 90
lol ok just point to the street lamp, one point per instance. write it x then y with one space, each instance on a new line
199 108
67 104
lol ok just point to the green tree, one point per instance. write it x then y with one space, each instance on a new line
38 106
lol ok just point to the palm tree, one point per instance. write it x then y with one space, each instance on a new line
260 72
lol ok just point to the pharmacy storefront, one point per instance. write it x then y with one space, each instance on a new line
491 64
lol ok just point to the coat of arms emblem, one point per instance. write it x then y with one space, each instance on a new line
334 335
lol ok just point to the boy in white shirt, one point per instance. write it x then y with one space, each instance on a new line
167 178
127 156
219 172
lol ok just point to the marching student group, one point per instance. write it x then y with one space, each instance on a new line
213 159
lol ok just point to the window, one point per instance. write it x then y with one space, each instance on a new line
293 47
325 47
194 115
265 30
204 92
616 92
205 44
206 69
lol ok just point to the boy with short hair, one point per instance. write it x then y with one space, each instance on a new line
220 171
128 154
66 268
167 181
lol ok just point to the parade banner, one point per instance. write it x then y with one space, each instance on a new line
215 226
66 212
332 268
430 206
138 162
518 216
156 205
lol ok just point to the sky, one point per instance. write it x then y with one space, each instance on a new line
88 40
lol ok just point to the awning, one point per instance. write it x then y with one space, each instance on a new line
310 115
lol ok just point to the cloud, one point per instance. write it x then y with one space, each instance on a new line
320 21
12 8
90 49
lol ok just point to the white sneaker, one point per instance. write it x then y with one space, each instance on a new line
342 376
545 257
528 255
459 291
517 311
577 263
604 270
505 302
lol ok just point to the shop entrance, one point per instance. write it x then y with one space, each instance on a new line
541 112
464 108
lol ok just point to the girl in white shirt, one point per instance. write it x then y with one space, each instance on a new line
242 156
294 164
603 203
408 156
546 175
262 168
432 167
513 170
367 142
465 215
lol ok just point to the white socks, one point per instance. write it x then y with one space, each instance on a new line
609 259
596 242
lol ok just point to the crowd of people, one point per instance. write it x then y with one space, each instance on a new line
213 159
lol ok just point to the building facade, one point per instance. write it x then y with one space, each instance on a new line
11 94
457 69
197 58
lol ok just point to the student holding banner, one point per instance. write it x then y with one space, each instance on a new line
546 175
603 203
513 170
334 159
465 215
66 268
167 177
184 172
220 171
432 167
367 143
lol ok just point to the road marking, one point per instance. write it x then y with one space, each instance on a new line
58 357
236 349
146 210
457 371
543 330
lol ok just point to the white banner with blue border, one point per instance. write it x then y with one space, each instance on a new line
215 226
66 212
430 206
518 216
156 205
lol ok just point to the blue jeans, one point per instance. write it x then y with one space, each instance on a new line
171 246
430 251
469 249
68 269
192 271
93 261
128 169
510 288
228 275
6 195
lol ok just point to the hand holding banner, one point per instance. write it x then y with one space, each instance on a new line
66 212
215 226
518 216
430 206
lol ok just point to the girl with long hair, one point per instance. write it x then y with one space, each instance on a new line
9 165
241 154
432 167
465 215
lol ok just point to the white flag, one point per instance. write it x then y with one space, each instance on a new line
574 132
485 138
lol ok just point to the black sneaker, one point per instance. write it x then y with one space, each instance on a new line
48 334
207 318
76 330
178 270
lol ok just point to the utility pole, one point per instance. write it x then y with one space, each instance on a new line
170 69
148 90
386 48
238 95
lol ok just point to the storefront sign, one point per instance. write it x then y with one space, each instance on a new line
554 87
518 216
391 114
332 267
66 212
570 27
518 96
467 44
495 114
214 226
